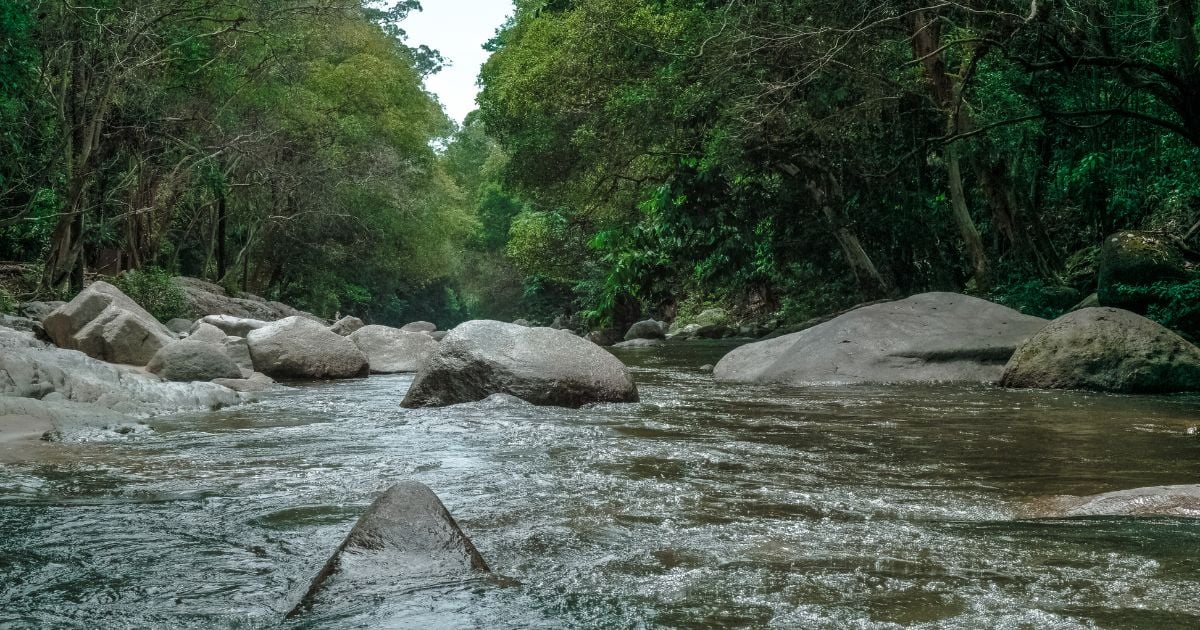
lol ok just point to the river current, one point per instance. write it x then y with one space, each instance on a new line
706 505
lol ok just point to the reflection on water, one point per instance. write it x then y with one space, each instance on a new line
706 505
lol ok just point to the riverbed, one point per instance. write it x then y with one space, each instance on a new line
706 505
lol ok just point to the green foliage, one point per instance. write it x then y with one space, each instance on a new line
1037 297
8 303
1174 304
154 290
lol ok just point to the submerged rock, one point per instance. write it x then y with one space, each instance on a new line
347 325
28 419
1183 500
106 324
297 347
1105 349
639 343
406 539
540 365
392 350
188 360
254 383
928 338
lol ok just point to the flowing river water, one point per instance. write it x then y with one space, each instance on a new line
706 505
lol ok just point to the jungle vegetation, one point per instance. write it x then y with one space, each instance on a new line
781 158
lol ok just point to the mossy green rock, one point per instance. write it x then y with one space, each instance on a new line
1132 260
1105 349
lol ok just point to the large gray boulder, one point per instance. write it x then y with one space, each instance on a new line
347 325
392 350
649 329
1183 500
1105 349
540 365
407 539
928 338
297 347
106 324
230 325
187 360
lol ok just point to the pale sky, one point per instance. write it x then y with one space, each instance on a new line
458 29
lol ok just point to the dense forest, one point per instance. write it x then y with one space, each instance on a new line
779 158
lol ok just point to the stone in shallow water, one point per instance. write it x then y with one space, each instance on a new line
406 539
1183 500
540 365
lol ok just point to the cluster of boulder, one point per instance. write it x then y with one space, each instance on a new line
952 338
101 360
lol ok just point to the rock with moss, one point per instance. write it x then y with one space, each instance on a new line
1105 349
1130 262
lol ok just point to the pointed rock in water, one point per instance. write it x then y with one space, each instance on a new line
1108 350
648 329
405 539
928 338
540 365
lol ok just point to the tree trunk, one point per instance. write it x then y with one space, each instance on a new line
966 225
926 45
222 218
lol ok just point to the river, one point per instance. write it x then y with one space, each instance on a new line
706 505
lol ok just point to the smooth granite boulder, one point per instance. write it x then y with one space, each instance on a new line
928 338
297 347
540 365
187 360
106 324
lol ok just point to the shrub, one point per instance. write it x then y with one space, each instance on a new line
155 291
8 304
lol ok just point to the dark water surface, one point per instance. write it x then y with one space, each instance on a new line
704 506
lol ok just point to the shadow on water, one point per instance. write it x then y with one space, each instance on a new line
707 505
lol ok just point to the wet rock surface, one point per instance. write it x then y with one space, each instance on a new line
406 539
540 365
